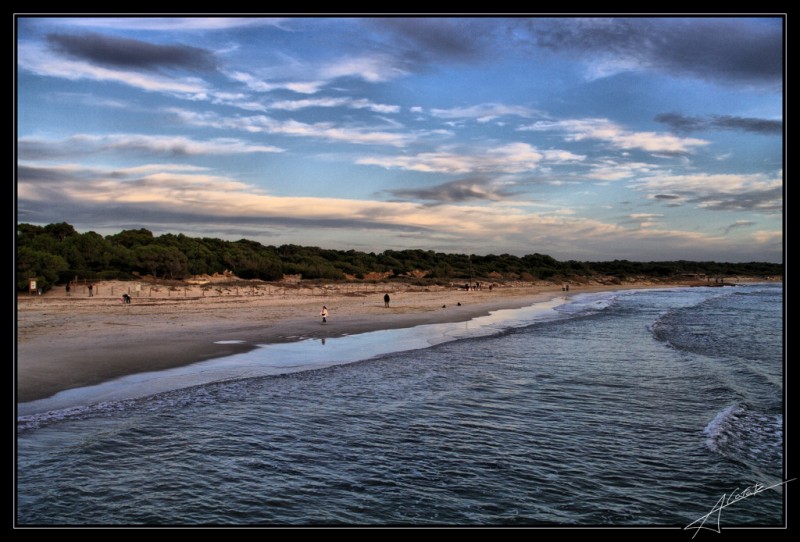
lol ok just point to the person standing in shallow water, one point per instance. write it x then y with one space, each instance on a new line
386 300
324 314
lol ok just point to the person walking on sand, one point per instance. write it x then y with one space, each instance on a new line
324 314
90 290
67 288
386 300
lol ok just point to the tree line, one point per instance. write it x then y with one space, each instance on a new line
57 253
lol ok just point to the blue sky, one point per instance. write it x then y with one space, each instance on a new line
581 138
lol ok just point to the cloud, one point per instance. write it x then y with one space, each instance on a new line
86 98
352 103
510 158
129 53
373 68
483 112
641 220
617 136
34 58
310 79
723 50
36 182
31 148
436 38
611 170
738 224
472 189
171 24
320 130
764 237
404 47
257 84
670 200
717 192
192 193
686 124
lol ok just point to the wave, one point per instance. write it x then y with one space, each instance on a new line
739 324
212 393
588 304
748 435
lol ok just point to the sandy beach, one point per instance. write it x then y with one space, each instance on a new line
65 342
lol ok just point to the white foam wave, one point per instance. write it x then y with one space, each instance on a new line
715 427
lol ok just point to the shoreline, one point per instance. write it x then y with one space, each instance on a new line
71 342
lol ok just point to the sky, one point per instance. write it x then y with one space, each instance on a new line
582 138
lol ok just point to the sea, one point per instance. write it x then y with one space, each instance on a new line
655 407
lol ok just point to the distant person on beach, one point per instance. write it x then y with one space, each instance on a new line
126 298
567 286
67 288
324 314
386 300
90 290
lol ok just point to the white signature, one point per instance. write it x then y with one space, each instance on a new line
725 501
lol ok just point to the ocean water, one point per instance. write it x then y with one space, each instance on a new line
628 408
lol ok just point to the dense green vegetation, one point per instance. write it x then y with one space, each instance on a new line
56 254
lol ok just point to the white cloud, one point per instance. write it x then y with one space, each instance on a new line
352 103
483 112
319 130
310 79
510 158
561 157
617 136
416 109
611 170
600 68
258 85
170 23
375 68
